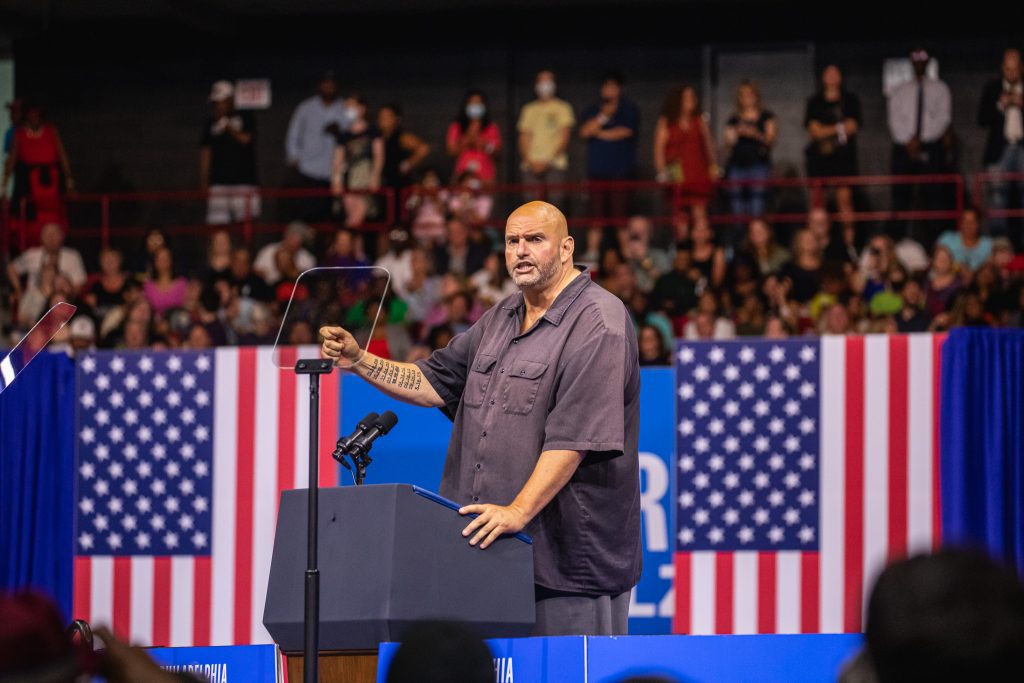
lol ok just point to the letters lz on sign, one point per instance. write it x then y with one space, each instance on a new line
653 598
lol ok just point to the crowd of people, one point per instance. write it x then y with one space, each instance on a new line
697 278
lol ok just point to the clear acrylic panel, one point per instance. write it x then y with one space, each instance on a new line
34 342
350 297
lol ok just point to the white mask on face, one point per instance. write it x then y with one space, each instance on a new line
475 110
545 89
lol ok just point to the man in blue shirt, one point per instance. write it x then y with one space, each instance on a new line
309 146
610 128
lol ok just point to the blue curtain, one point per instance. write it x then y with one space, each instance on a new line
982 441
37 462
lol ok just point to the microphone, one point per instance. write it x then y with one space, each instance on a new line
381 425
345 442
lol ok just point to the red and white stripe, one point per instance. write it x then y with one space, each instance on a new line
879 484
261 441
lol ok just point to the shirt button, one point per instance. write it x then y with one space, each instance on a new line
476 499
492 402
502 371
515 341
478 465
483 433
522 372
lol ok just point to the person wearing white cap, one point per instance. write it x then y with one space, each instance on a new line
227 162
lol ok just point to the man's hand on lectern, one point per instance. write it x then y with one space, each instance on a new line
493 521
339 345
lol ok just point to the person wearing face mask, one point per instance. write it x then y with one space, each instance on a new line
544 127
473 140
358 163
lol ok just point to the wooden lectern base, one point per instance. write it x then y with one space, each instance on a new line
351 666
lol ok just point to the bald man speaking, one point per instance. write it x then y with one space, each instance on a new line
544 392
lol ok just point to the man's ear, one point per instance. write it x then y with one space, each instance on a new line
569 246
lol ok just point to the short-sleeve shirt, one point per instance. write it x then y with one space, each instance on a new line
973 257
830 156
479 161
68 263
570 382
231 162
611 159
750 151
545 121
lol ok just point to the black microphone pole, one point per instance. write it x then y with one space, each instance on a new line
311 621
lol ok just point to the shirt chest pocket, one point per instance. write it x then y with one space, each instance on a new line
522 386
478 380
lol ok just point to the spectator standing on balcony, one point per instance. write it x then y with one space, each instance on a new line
684 153
1000 111
309 146
404 151
832 121
227 160
16 113
42 173
358 162
295 235
610 128
968 246
545 125
920 115
749 136
52 252
474 140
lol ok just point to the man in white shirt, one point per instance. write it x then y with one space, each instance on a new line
309 144
296 234
30 264
920 114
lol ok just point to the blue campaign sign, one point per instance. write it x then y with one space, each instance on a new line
249 663
414 452
521 659
722 659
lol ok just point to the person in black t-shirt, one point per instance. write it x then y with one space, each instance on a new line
227 162
749 135
358 163
832 121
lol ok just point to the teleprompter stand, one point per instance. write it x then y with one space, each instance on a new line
311 611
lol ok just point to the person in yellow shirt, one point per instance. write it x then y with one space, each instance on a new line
544 128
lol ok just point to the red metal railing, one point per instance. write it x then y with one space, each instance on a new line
105 203
662 204
982 187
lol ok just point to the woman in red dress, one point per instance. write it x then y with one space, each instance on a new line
684 153
41 174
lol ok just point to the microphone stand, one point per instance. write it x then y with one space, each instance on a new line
311 622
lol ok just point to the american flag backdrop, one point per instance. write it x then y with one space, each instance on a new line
181 460
803 466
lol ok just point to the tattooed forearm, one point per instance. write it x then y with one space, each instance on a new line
394 374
